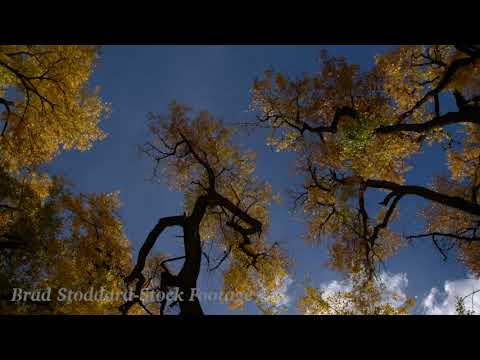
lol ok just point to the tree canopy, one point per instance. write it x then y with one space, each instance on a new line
224 205
49 236
357 132
355 135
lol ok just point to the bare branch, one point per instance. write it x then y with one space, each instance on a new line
451 201
448 235
467 115
225 255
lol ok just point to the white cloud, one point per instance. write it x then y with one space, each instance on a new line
394 287
284 297
278 297
335 286
436 302
443 302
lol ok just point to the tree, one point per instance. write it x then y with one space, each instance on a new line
61 240
224 205
50 237
47 103
355 132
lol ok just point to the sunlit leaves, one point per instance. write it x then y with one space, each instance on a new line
284 101
66 241
197 155
53 107
51 237
339 153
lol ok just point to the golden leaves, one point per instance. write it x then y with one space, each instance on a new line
69 241
301 111
199 157
402 80
56 109
94 251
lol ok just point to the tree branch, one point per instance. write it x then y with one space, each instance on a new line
451 201
224 257
6 104
444 81
467 115
150 241
449 235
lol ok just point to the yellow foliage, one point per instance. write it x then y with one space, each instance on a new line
67 241
303 116
55 109
184 144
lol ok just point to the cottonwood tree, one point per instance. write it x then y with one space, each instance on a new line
47 103
355 134
225 207
56 239
48 235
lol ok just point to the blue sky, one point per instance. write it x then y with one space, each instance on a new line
141 79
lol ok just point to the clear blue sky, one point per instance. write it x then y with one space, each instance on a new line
141 79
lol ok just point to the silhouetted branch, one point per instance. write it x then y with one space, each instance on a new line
227 252
448 235
468 115
451 201
447 76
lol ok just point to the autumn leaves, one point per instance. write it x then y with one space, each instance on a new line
50 237
354 133
396 110
226 208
